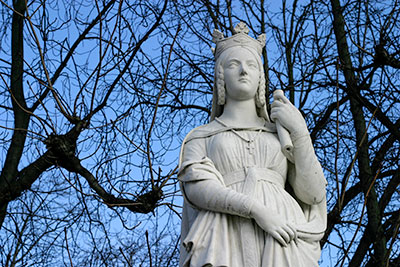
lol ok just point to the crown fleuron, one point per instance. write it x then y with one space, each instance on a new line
239 38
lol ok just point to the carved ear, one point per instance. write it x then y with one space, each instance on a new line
217 36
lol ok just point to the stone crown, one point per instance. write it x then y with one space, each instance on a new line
240 38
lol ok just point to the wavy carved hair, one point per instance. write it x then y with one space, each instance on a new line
219 90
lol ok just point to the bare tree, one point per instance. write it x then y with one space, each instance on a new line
97 96
82 158
339 63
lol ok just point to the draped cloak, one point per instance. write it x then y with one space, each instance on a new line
208 238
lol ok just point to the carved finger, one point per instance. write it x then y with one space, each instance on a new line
273 116
285 235
290 232
279 238
283 98
276 110
277 104
294 231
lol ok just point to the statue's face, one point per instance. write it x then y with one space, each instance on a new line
241 74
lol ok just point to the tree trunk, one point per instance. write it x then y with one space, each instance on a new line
21 122
374 227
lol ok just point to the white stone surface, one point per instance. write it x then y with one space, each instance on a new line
238 211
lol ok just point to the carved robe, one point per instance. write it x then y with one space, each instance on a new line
258 169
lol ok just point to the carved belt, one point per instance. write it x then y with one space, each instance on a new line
255 174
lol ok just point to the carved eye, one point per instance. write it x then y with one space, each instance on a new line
252 65
232 64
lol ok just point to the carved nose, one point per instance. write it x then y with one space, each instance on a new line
243 69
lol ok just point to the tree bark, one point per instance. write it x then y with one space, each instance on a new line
21 117
374 231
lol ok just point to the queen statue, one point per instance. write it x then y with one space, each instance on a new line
249 200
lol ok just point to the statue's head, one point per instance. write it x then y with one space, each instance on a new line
226 49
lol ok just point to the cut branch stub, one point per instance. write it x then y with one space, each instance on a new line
63 149
149 200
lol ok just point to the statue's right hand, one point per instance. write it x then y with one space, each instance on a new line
274 224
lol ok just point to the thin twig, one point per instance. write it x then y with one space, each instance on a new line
361 217
337 134
395 232
148 248
12 9
130 140
169 176
60 105
66 242
156 106
19 105
347 179
126 259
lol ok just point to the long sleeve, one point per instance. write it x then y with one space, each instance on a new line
203 186
211 195
306 177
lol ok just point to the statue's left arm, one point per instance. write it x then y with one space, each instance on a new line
308 180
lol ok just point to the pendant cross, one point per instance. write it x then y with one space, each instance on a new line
250 146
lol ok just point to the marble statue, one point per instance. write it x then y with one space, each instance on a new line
250 198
